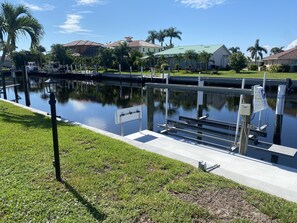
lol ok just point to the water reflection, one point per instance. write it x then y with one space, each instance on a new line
95 103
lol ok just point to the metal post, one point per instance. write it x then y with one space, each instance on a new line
52 103
260 113
15 87
3 85
166 102
199 105
279 111
150 108
25 83
245 111
238 114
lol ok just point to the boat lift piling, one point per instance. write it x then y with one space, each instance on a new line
279 111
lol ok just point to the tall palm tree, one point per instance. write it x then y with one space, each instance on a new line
153 35
256 50
276 50
235 49
16 20
172 32
161 36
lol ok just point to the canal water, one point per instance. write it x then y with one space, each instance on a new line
95 104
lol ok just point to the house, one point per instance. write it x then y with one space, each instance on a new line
286 58
140 45
7 62
219 55
84 47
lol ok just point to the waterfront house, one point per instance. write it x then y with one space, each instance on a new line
286 58
140 45
219 55
84 47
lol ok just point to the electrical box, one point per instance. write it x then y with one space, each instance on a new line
245 109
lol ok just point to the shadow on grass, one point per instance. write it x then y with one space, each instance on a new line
34 120
96 214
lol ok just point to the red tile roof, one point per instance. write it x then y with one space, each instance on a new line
82 43
134 43
288 54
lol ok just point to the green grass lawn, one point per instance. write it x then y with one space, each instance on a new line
106 180
222 74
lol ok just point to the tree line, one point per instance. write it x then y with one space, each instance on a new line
238 61
17 20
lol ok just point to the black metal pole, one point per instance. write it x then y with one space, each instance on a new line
4 85
52 102
26 87
15 87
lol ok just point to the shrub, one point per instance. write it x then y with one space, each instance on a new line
253 67
279 68
237 61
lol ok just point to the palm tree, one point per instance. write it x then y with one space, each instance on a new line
15 20
204 58
38 51
234 49
276 50
122 54
153 35
256 50
190 55
161 36
151 58
173 33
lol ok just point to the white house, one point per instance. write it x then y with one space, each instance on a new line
219 54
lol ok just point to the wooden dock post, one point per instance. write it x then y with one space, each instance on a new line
150 108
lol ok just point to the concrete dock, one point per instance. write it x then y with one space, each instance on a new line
274 179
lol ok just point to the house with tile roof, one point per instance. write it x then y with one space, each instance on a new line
287 58
84 47
219 54
140 45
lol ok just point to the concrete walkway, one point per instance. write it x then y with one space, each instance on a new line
278 180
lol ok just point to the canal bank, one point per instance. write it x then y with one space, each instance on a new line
190 80
271 178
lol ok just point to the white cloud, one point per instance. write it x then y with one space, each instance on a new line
201 4
99 123
91 2
268 48
292 45
44 7
78 106
72 24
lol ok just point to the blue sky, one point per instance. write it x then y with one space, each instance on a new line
230 22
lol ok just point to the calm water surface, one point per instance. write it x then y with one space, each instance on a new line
95 104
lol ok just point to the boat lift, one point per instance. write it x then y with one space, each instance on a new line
203 127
